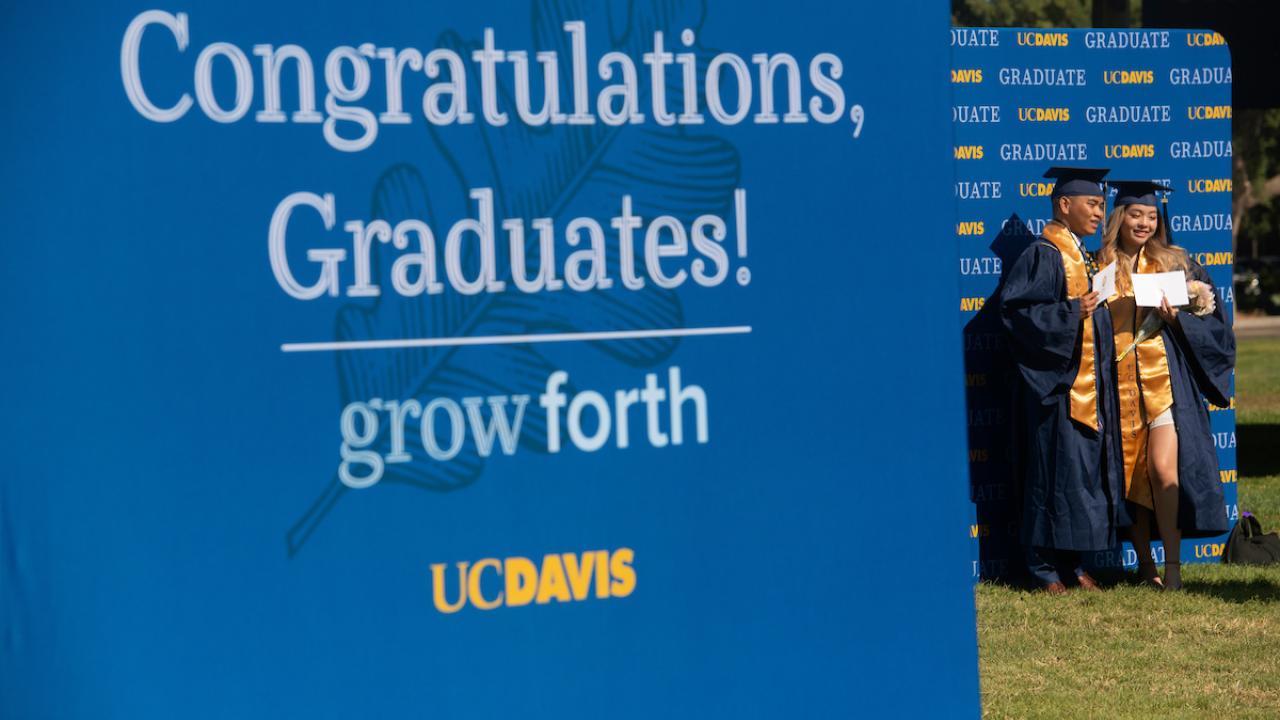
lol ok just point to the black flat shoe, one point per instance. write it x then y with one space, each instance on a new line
1149 576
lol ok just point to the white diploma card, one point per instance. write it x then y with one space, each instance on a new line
1149 288
1104 282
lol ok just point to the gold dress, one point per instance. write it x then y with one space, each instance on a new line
1143 383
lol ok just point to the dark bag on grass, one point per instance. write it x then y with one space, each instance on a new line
1248 546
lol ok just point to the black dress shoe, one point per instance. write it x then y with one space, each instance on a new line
1054 588
1088 583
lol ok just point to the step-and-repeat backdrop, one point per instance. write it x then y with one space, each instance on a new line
1148 104
537 357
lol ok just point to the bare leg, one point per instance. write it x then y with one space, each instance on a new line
1162 457
1140 533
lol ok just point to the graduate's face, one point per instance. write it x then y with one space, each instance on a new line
1082 213
1138 225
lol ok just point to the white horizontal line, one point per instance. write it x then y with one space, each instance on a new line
512 339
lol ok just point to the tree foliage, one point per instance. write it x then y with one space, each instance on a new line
1022 13
1256 181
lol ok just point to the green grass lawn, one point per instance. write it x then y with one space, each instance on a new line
1131 652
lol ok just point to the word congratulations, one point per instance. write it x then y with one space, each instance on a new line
590 421
517 581
415 272
348 76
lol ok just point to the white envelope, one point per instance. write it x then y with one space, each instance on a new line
1104 282
1150 288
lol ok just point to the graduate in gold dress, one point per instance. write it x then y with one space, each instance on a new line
1169 360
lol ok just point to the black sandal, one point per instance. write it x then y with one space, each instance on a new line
1149 576
1172 576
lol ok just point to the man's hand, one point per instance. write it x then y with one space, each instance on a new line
1088 303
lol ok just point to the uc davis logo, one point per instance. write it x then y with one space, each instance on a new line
1205 39
1208 112
1146 150
968 152
967 76
1035 189
1044 114
1210 550
1128 77
1205 185
517 581
1044 39
1209 259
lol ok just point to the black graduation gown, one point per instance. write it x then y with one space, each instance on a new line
1072 477
1202 354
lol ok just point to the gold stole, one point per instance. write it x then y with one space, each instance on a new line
1084 391
1144 386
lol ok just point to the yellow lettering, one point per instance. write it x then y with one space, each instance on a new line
1035 189
551 581
1210 550
1042 39
438 592
968 152
624 576
1208 112
522 580
1214 258
602 577
1039 114
1130 151
966 75
972 304
978 455
1215 185
1128 77
473 584
579 572
1205 39
562 577
1227 476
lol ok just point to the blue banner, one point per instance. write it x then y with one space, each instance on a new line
1148 104
467 360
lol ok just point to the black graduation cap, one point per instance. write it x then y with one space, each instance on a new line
1076 181
1143 192
1138 192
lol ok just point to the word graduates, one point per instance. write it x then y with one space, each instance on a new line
655 251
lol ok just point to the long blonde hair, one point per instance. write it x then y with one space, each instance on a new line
1165 256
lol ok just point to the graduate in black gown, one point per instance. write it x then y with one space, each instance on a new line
1170 359
1061 338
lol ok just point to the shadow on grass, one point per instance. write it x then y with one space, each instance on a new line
1265 588
1237 591
1259 450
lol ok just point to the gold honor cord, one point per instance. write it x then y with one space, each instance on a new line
1144 385
1084 391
